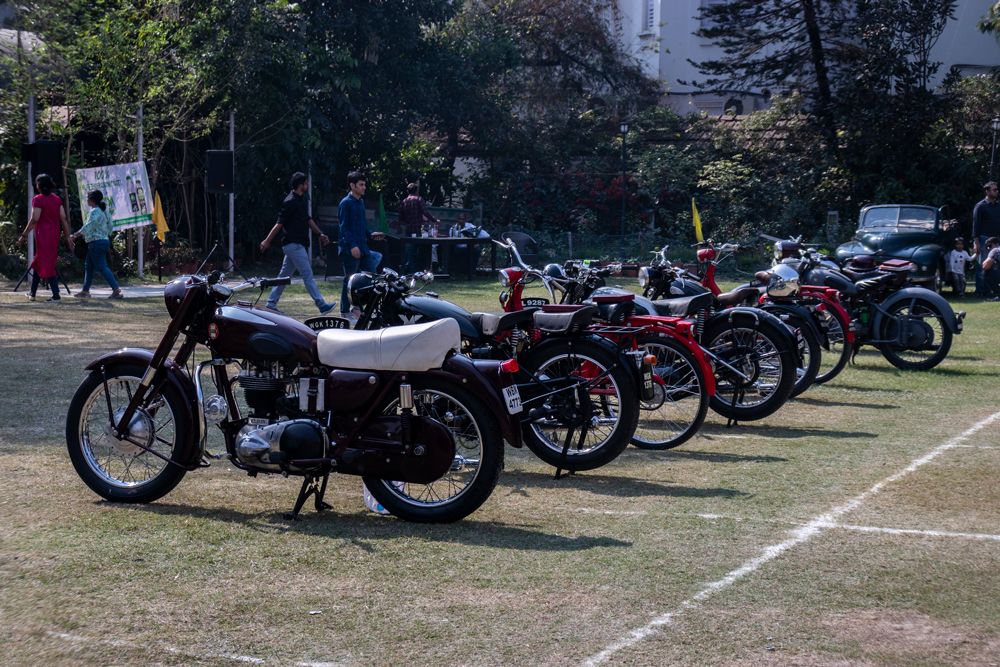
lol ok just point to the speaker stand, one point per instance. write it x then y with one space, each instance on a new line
30 271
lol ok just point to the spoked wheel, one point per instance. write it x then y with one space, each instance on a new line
766 363
836 357
809 352
614 404
926 338
476 466
118 468
678 408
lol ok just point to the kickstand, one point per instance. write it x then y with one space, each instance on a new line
312 485
565 451
737 398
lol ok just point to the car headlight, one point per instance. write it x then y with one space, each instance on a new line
643 276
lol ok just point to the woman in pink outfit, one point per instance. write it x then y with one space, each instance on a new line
47 215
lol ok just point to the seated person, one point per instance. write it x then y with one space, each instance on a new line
991 268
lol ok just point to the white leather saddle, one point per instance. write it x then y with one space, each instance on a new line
414 347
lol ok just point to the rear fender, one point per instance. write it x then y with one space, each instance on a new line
661 325
802 313
483 378
953 322
189 453
751 316
610 347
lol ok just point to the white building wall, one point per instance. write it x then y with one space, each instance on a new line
665 50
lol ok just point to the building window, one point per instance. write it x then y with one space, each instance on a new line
704 20
648 15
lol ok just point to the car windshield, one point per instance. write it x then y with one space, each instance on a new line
899 217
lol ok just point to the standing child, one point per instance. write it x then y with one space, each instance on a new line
956 261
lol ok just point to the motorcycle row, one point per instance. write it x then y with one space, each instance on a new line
419 396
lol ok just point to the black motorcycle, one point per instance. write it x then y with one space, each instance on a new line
579 391
911 326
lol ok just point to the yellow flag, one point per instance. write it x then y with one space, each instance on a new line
697 221
160 220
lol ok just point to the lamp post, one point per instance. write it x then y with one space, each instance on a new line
623 129
995 124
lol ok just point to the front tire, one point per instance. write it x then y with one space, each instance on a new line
614 397
810 352
835 358
679 407
759 352
117 469
476 467
930 326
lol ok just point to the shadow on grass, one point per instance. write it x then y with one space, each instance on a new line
623 487
845 404
954 372
720 457
867 389
765 431
361 528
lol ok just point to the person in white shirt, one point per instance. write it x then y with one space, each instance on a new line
955 261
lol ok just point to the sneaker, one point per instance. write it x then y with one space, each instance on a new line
31 297
117 294
327 307
83 294
53 299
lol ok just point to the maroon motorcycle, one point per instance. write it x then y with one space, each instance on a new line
423 425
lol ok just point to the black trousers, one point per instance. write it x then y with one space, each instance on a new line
53 283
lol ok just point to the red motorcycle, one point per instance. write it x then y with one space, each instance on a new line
683 379
423 425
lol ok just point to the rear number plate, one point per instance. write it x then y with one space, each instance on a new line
513 398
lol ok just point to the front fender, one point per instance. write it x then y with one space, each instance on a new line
483 378
953 322
189 453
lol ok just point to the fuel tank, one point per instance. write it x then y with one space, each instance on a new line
829 278
414 309
261 335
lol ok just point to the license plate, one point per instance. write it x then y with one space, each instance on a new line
513 398
647 382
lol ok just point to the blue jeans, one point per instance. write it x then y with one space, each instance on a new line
297 260
367 262
980 283
97 260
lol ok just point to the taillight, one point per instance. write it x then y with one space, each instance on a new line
213 331
649 359
510 366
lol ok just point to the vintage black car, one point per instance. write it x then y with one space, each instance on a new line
903 231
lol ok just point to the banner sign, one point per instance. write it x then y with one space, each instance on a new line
126 192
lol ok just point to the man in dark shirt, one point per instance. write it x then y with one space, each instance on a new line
985 223
354 251
294 223
412 216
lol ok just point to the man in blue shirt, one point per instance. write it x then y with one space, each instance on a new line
354 251
985 224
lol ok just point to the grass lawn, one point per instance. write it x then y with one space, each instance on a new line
714 553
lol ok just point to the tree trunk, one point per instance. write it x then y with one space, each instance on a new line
823 98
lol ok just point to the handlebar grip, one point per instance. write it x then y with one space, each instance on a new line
274 282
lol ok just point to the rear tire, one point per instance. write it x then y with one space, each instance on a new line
681 402
478 457
839 353
615 402
763 355
910 359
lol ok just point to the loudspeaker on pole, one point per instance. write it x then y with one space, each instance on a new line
219 171
46 158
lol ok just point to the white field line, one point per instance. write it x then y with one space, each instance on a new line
924 533
978 446
118 643
798 536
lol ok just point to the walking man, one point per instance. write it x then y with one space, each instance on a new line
985 224
294 224
354 251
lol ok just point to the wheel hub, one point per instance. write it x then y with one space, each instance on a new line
140 430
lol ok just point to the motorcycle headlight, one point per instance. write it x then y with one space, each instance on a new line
784 281
643 276
503 278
